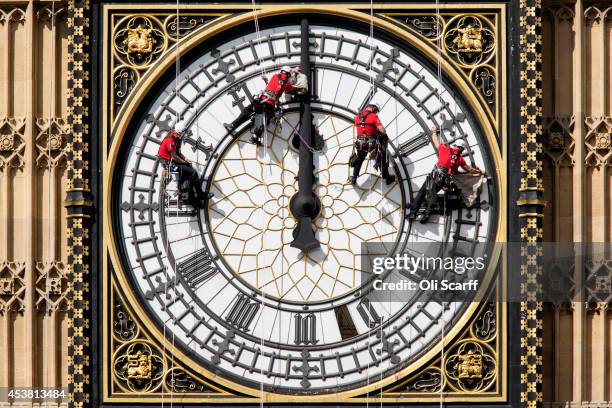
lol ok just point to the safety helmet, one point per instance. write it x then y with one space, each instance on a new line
460 144
286 68
375 105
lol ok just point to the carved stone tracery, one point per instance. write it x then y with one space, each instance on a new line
12 15
51 286
51 142
12 143
559 143
597 141
12 287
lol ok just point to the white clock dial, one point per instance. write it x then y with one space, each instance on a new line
251 224
224 281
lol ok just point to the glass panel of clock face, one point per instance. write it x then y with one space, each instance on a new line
230 290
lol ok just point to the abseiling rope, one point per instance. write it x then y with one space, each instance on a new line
265 143
372 92
50 185
439 56
263 72
177 120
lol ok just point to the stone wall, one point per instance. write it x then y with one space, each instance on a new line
577 157
33 86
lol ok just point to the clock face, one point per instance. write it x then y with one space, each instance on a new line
224 280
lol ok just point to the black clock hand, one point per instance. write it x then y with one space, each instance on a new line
305 205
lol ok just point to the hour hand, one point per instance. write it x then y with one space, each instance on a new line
304 210
305 205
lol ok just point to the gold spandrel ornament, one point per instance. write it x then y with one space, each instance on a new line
142 365
139 40
139 367
468 42
470 366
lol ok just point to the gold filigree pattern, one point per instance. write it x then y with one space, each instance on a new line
141 365
470 365
430 380
139 40
467 41
186 24
430 26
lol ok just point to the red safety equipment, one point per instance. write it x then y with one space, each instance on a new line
168 145
367 123
278 85
449 158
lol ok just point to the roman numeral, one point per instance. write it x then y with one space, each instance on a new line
242 312
305 329
368 313
345 322
197 268
414 144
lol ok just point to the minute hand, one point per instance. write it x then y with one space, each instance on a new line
305 205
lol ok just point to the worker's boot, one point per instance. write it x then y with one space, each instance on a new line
390 179
425 217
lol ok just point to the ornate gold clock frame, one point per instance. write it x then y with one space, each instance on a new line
139 47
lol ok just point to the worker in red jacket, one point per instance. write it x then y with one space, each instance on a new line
371 138
265 103
449 161
170 155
